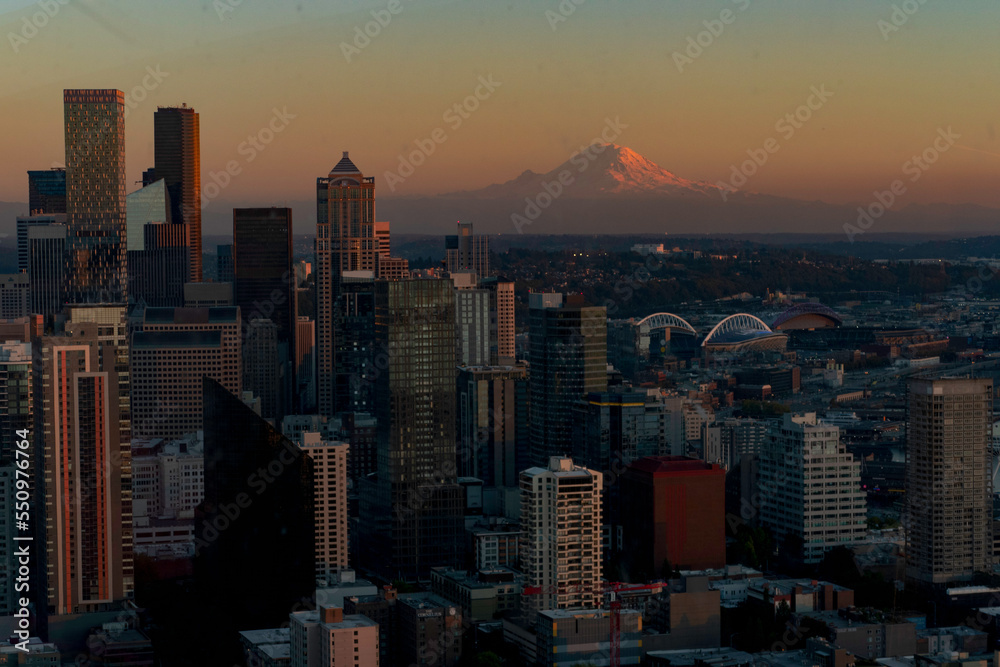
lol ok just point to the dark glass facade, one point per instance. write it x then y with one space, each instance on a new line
177 155
47 191
567 358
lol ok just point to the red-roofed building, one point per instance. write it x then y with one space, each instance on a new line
673 509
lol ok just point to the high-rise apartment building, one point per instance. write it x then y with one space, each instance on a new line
330 490
414 515
472 321
949 527
502 351
493 432
567 358
177 155
16 404
809 487
466 251
95 196
45 251
561 535
171 352
47 191
84 430
326 637
726 441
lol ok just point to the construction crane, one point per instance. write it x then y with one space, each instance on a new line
613 589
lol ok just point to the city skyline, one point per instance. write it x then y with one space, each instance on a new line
887 95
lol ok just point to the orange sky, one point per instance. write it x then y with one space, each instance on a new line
559 79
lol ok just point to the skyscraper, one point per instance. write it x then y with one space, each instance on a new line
467 251
345 201
171 351
330 491
259 508
472 321
414 514
262 367
354 349
501 320
561 535
26 222
567 358
493 424
265 281
95 196
16 405
47 191
177 155
84 430
948 479
45 250
809 487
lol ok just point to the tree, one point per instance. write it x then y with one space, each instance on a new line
488 659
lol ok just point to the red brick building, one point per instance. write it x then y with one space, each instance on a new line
673 507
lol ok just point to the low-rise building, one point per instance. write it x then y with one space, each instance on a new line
483 596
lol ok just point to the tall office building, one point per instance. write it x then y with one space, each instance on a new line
262 260
348 240
305 363
47 191
95 196
345 201
84 431
726 441
809 487
501 320
567 358
16 405
948 479
258 502
265 282
24 223
621 427
177 156
158 271
413 516
330 491
675 511
15 296
172 350
224 263
262 367
561 535
354 345
45 250
493 433
467 251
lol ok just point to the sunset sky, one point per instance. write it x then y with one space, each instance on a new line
892 91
